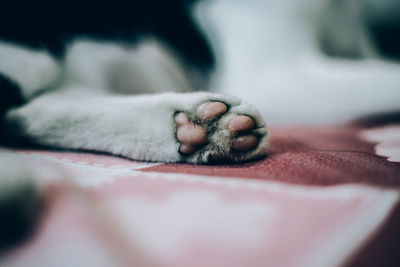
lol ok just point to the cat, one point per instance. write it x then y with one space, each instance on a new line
286 72
118 78
110 96
99 77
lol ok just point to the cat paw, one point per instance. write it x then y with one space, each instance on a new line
221 132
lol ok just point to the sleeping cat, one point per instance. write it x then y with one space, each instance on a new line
110 96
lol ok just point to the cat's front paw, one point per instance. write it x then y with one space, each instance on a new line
218 131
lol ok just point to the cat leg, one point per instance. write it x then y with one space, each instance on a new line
32 70
169 127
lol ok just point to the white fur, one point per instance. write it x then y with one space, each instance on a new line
83 112
32 70
140 127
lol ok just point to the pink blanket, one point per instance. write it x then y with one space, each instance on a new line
324 196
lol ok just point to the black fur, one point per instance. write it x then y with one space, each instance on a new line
19 214
10 94
10 97
52 24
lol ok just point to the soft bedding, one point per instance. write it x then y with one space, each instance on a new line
324 196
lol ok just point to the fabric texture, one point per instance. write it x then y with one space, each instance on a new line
324 196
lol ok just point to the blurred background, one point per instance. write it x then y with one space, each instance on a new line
312 61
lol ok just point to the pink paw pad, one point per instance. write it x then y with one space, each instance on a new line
193 136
